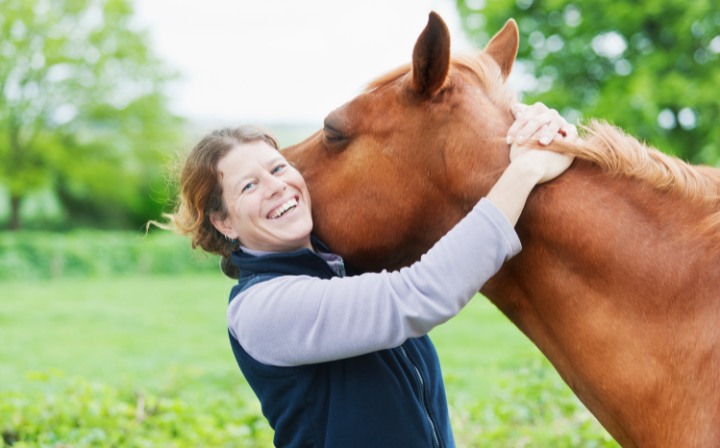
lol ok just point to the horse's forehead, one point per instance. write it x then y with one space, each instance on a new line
394 101
380 106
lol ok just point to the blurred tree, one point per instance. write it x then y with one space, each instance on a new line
649 66
82 110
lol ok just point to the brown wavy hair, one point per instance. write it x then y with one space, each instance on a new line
201 193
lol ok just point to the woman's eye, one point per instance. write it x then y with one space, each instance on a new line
248 186
277 169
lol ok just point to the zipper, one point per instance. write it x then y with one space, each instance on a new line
422 396
342 269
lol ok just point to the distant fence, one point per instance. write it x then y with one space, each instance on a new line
91 253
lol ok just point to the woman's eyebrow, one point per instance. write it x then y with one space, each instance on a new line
277 159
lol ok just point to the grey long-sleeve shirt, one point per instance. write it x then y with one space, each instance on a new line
295 320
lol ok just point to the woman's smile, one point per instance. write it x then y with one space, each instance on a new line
268 203
284 208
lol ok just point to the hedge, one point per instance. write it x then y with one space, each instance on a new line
531 407
92 253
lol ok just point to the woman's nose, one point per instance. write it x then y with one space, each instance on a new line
274 186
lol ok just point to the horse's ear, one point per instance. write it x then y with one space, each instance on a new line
503 47
431 57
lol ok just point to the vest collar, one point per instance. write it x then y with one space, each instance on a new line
300 262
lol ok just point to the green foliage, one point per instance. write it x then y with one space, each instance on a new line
649 66
127 333
529 407
79 413
89 253
82 110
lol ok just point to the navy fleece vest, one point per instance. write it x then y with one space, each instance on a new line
391 398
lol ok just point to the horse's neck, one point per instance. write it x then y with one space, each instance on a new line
614 232
598 244
608 282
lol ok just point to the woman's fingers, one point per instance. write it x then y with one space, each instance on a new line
571 133
543 134
521 118
523 113
528 119
547 133
534 124
518 109
537 122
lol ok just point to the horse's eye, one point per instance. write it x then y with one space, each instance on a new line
332 136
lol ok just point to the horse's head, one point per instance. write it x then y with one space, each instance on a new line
395 168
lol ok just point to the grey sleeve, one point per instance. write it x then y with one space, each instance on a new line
295 320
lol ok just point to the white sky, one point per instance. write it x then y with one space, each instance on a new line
282 61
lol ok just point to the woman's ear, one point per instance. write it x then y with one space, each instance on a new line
222 225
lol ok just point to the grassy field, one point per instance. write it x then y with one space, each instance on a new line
166 337
140 327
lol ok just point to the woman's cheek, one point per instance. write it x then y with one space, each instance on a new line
297 176
241 211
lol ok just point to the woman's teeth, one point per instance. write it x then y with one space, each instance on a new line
287 206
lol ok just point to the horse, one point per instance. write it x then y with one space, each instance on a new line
617 280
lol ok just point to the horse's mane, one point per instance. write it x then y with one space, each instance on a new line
476 65
604 145
389 77
614 151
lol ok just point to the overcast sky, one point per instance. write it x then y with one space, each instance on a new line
282 61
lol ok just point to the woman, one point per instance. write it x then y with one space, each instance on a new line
341 361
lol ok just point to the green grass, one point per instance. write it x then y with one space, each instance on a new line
109 330
155 369
143 327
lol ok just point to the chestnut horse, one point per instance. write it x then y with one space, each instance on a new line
617 282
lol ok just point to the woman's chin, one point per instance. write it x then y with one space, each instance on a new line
299 231
292 241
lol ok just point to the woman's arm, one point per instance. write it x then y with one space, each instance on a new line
530 167
513 188
296 320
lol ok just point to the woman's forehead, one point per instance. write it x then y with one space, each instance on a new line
250 156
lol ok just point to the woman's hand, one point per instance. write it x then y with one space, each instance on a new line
529 167
538 123
542 165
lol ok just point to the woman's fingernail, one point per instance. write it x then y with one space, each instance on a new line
519 138
545 140
509 139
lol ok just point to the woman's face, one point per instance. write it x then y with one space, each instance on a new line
268 204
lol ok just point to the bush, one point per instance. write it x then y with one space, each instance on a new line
92 253
80 413
531 407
